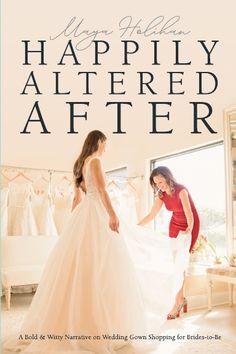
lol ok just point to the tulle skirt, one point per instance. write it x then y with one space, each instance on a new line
100 289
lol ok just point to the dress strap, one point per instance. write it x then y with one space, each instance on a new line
88 163
93 158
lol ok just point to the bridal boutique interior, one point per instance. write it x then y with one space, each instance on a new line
36 204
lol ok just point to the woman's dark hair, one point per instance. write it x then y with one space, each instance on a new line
90 146
167 174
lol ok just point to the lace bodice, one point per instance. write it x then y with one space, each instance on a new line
41 199
63 200
19 194
4 197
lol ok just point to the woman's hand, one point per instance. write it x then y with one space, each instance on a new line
114 223
155 209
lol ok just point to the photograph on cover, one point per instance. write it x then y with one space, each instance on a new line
118 177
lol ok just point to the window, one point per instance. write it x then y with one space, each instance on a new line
201 170
119 175
118 172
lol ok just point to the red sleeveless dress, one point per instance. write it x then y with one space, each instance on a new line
178 221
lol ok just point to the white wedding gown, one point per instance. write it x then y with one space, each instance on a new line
43 213
21 220
62 202
97 282
4 211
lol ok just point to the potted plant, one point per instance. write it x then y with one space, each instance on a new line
199 249
217 258
231 260
201 246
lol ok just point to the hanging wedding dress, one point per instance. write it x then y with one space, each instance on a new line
4 211
128 201
43 212
20 216
94 285
63 203
124 199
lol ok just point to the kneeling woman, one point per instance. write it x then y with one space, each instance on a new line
177 199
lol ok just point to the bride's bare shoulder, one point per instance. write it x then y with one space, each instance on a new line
95 163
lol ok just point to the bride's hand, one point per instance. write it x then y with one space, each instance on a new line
114 223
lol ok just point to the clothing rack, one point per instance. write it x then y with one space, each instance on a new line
51 171
34 169
127 177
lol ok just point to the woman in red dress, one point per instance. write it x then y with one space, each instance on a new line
177 199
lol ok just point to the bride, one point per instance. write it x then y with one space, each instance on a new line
100 283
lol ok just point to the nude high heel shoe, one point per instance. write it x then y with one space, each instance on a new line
173 316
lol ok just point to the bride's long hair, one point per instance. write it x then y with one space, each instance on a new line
90 146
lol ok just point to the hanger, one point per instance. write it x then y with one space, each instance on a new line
131 185
112 182
67 179
41 178
21 174
39 185
4 176
64 186
134 190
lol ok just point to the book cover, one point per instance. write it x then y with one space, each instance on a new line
156 80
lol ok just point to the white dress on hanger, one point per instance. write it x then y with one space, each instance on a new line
20 216
91 287
114 194
63 204
124 201
128 199
43 213
4 211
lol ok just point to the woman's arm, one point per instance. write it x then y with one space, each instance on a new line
77 198
100 184
183 194
155 209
